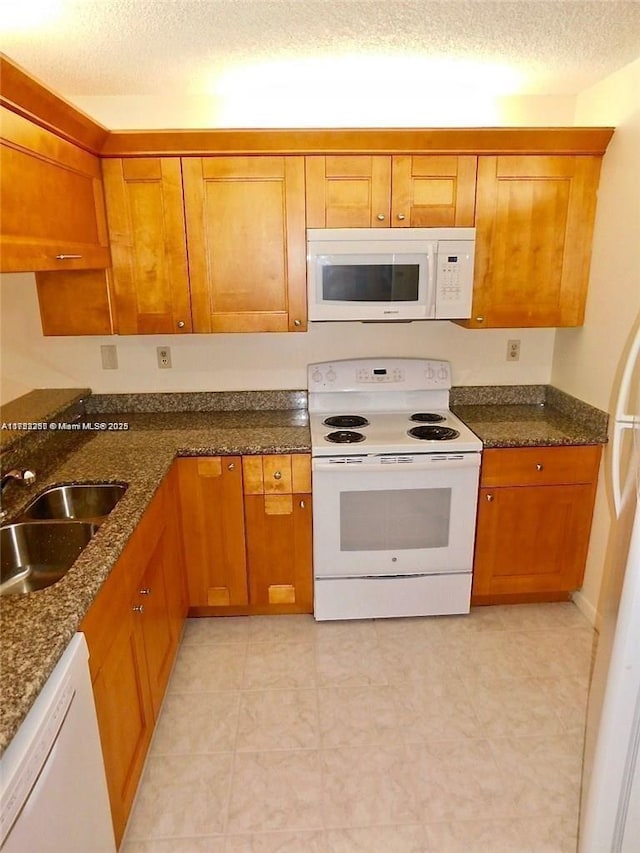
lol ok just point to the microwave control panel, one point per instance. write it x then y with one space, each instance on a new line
454 280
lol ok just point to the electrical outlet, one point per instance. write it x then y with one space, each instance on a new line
109 357
513 350
164 357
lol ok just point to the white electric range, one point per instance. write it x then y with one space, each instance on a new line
395 483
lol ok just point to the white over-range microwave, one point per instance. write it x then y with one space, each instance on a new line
377 274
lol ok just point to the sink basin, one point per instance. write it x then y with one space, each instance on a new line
36 555
89 501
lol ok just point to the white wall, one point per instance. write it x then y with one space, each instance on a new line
587 360
247 361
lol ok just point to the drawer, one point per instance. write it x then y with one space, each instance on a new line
540 466
277 474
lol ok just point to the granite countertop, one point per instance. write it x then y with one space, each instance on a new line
528 416
36 628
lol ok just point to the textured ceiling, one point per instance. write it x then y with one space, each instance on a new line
173 47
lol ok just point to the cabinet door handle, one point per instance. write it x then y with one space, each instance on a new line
68 257
489 498
302 504
401 217
380 216
539 466
479 319
181 324
297 322
138 608
231 466
145 590
277 475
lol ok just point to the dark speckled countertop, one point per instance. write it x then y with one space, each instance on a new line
36 628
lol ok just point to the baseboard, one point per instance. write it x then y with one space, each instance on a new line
586 608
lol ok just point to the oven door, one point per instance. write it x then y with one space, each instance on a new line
384 516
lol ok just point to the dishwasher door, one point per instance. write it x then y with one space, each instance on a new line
53 791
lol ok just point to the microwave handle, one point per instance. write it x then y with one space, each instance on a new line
431 281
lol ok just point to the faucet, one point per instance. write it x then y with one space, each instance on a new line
22 475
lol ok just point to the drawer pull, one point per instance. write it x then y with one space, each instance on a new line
277 475
489 498
539 466
231 466
68 257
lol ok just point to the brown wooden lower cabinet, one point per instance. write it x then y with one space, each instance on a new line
246 524
534 519
133 629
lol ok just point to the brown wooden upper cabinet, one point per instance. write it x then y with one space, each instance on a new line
534 220
399 191
247 245
51 200
148 247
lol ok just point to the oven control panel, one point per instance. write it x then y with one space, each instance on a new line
398 374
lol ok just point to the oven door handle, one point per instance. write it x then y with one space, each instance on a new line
429 463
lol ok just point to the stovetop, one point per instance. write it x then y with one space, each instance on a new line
388 432
385 405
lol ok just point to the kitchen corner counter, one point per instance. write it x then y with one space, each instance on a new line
528 416
37 627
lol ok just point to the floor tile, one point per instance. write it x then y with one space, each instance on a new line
211 844
377 839
433 734
208 668
278 719
270 665
283 629
358 716
542 774
192 723
349 662
275 790
517 707
277 842
363 786
549 834
459 780
476 836
227 629
182 795
435 710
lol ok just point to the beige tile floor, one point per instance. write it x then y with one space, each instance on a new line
451 734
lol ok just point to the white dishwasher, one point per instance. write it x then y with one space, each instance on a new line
53 790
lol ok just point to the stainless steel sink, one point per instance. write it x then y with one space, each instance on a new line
34 555
85 501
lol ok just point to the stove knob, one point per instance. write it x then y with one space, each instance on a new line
431 374
442 374
316 376
331 376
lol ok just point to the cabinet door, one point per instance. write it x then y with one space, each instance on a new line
51 200
148 245
531 540
430 191
247 243
534 220
153 612
213 530
348 191
125 716
279 552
